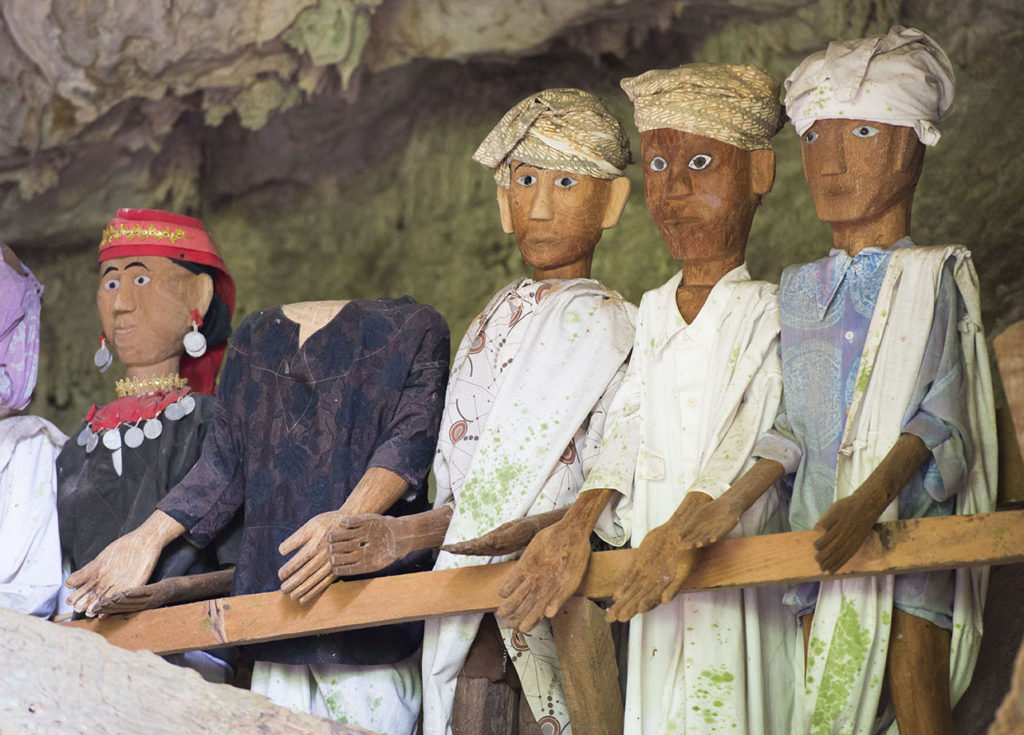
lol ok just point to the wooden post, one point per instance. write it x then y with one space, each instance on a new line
590 672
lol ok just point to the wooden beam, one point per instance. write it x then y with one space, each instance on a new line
897 546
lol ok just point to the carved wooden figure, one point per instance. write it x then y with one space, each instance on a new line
30 565
163 292
326 410
887 405
529 387
707 340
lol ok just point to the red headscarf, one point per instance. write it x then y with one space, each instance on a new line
153 232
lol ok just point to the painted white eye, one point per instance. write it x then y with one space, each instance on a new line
112 285
141 280
810 136
865 131
526 180
565 182
700 162
658 164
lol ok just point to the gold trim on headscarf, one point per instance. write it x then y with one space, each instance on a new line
738 105
559 129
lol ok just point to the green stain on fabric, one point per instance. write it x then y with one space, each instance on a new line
851 643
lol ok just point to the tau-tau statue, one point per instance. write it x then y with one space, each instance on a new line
325 410
30 564
887 411
703 383
165 300
531 380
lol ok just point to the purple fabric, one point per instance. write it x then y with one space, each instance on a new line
20 302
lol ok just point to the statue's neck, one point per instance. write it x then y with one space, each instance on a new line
312 315
170 366
879 232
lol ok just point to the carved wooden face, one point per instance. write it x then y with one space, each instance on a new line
145 303
858 169
700 192
556 216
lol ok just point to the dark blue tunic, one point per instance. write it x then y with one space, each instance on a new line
294 431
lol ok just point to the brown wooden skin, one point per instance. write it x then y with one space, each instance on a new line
704 216
1009 349
786 558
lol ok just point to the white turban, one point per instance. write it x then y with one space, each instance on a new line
901 78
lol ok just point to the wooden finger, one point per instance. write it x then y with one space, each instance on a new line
320 588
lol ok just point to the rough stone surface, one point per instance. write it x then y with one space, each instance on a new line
61 680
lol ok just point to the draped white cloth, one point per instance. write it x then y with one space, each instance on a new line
695 400
850 634
524 416
30 563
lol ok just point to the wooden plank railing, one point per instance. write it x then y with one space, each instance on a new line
897 546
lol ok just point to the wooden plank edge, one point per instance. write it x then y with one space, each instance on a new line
895 547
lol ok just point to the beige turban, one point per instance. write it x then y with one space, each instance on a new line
562 129
738 105
901 78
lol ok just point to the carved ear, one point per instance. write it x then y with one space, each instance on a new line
913 150
617 198
505 210
762 171
202 293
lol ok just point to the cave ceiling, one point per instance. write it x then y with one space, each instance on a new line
111 101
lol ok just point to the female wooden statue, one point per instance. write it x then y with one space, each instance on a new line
164 291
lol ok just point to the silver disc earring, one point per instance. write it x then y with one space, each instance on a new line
103 359
195 342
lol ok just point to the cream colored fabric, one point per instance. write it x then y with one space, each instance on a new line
738 105
901 78
560 129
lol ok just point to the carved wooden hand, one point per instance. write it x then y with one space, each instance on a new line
548 573
125 563
660 566
370 542
847 524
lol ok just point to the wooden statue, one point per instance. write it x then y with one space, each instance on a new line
530 383
887 406
30 565
163 292
325 410
703 382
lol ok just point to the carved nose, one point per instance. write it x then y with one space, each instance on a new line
679 185
833 158
542 207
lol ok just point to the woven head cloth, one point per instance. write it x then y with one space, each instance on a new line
561 129
738 105
901 78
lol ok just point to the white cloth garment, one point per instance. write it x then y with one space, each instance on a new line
30 563
384 698
901 78
850 634
523 419
695 400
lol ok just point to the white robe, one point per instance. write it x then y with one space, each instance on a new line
850 634
523 415
30 563
695 400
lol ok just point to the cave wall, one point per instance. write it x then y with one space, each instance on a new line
373 193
